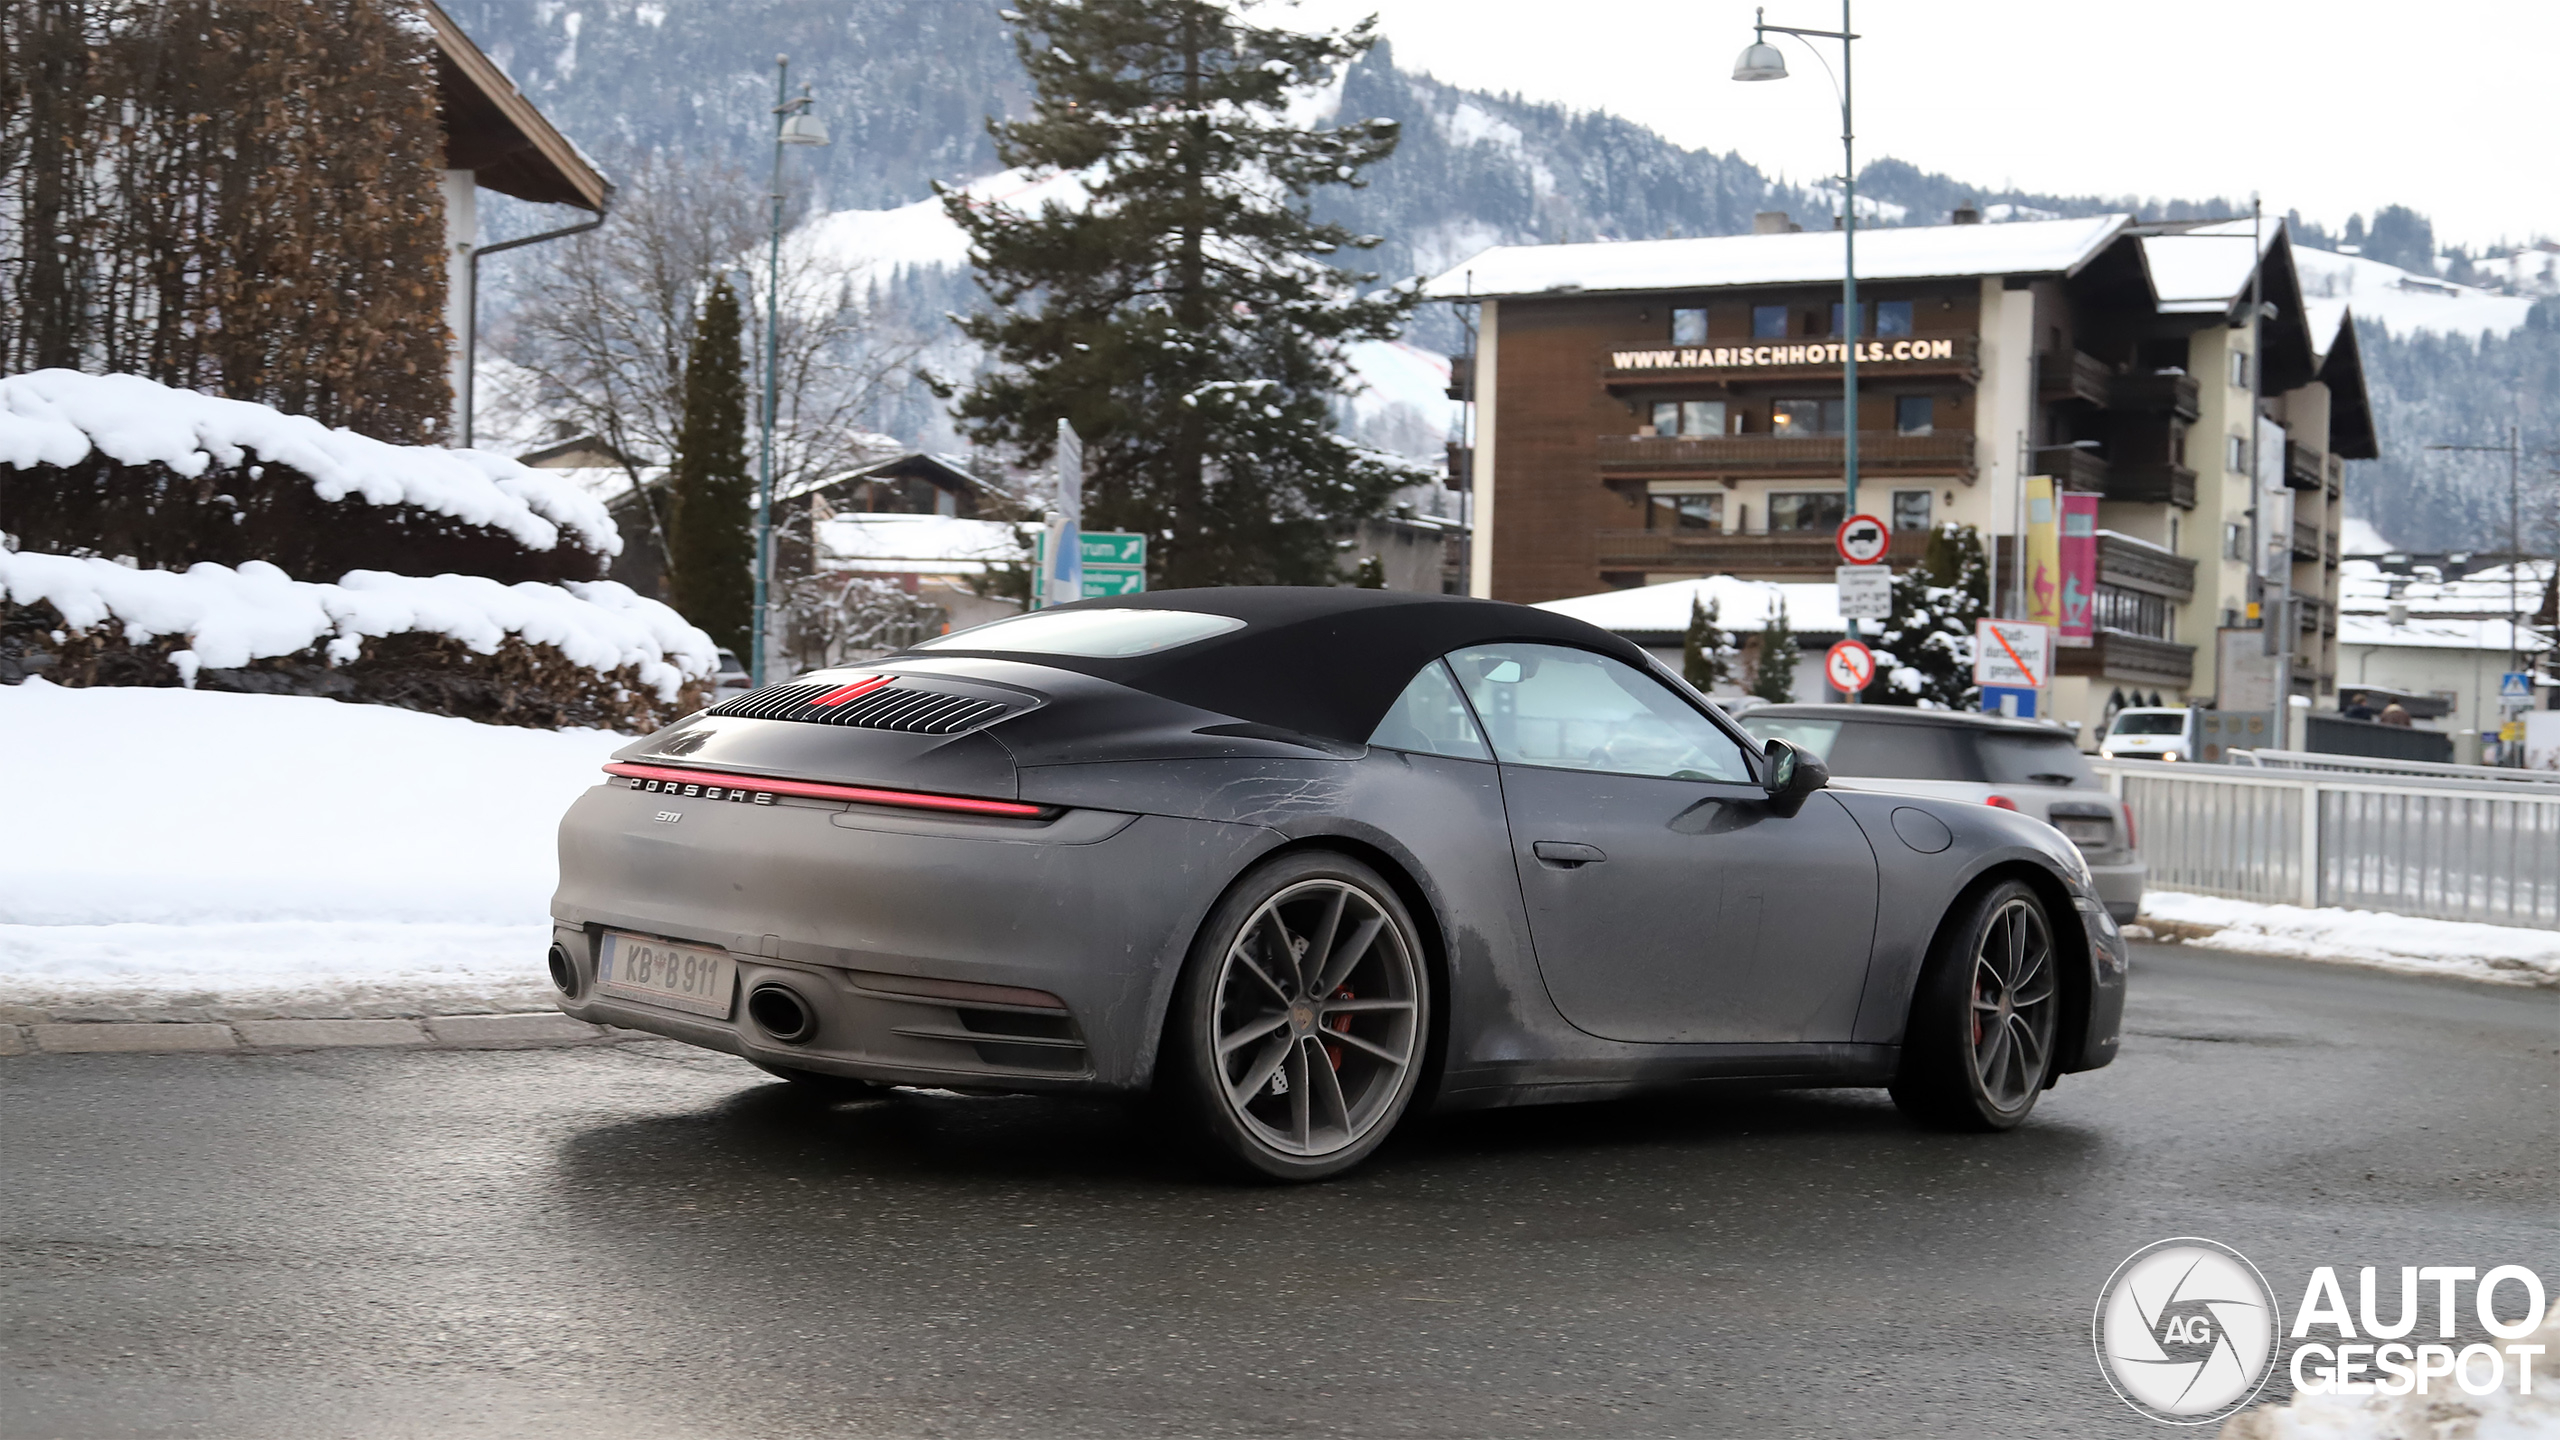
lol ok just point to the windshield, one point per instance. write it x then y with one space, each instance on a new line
2153 722
1101 634
2009 759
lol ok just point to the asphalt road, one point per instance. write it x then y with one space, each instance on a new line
643 1241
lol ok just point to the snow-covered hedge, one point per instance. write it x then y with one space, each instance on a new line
120 465
577 653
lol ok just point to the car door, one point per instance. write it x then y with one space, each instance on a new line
1668 899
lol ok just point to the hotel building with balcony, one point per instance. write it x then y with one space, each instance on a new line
1657 410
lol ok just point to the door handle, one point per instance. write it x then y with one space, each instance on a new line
1567 854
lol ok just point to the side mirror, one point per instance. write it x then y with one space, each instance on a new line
1790 775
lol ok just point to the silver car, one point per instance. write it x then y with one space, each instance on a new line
2027 766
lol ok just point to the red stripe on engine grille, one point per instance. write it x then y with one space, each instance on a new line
911 799
854 691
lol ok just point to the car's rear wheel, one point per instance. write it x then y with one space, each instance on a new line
1980 1045
820 1086
1299 1030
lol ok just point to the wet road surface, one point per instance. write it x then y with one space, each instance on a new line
643 1241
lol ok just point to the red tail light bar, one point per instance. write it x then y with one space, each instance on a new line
863 794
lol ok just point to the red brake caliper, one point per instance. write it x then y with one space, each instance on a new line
1340 1024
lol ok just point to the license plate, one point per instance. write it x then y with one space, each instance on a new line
679 977
2084 833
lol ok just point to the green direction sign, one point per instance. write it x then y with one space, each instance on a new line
1101 583
1115 549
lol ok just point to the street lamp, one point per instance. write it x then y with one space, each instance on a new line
792 125
1761 61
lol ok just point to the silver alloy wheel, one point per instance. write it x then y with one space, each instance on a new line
2013 1004
1316 1013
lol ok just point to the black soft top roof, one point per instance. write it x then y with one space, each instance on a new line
1323 662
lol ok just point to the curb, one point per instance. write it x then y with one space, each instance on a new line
269 1037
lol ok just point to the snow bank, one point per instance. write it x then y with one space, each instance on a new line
231 617
57 417
1740 605
2502 953
2445 1413
166 841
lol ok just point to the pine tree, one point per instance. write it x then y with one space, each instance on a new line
1185 318
1924 653
710 538
1773 677
1706 652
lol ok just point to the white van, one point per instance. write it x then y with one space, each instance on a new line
2149 732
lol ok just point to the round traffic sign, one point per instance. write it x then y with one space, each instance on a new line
1849 666
1862 540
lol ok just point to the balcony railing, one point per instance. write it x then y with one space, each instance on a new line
2302 467
2175 393
1782 456
2073 375
1713 552
2306 540
2121 655
2134 566
2079 470
1885 358
2155 483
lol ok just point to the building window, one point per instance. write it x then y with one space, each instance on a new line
1820 511
1696 514
1914 415
1807 417
1688 327
1701 417
2239 369
1864 311
1666 417
1893 317
1768 322
2177 442
2131 612
2173 534
2235 541
1911 509
2235 454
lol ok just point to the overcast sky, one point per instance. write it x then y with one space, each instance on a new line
2325 106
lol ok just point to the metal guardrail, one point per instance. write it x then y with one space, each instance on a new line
2371 765
2438 846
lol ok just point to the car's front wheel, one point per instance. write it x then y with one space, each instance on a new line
1980 1045
1298 1033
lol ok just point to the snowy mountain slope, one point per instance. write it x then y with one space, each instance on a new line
2398 300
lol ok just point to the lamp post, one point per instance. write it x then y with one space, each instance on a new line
1760 60
792 125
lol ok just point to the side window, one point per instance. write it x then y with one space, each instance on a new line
1688 327
1429 717
1573 710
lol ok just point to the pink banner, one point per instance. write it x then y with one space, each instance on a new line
2079 570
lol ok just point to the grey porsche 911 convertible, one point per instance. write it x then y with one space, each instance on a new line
1297 863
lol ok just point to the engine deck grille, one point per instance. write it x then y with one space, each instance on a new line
877 704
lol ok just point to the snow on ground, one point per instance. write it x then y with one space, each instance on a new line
231 617
57 417
2401 301
168 843
2445 1413
1740 605
2503 953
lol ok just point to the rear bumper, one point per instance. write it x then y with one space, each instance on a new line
2120 886
911 938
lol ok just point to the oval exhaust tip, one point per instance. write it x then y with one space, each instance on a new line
564 972
780 1012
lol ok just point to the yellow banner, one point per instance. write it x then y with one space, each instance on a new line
2044 554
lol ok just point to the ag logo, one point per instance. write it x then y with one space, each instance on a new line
2185 1330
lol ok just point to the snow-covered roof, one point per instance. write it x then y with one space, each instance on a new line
2436 634
2365 587
1739 605
2033 247
919 544
2202 270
